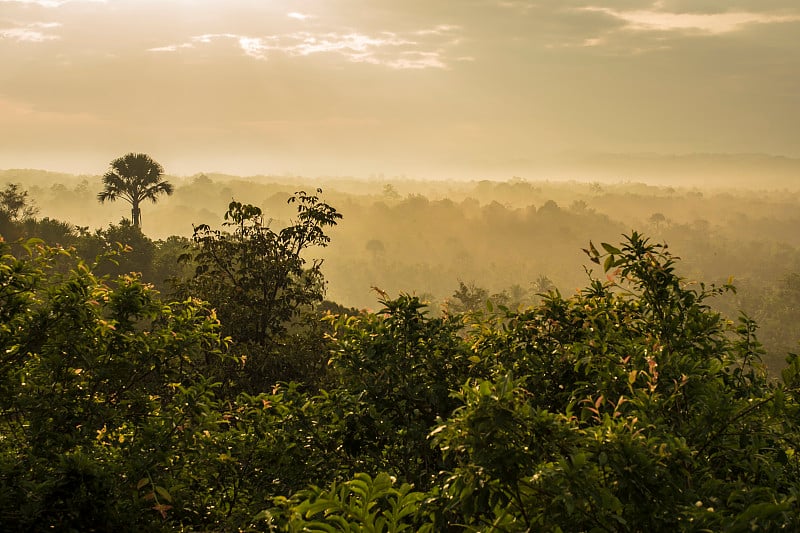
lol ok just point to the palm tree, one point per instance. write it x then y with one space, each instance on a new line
134 178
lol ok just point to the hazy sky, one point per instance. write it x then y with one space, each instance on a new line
425 88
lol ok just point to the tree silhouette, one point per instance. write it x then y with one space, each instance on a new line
14 202
134 178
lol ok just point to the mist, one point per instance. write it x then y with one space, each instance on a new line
512 239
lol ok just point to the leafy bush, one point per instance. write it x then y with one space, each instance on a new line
628 406
259 282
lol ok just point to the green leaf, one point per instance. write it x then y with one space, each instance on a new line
164 493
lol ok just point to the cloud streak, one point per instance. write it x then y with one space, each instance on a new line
419 50
298 16
709 23
31 33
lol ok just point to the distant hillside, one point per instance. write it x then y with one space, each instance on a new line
702 170
758 171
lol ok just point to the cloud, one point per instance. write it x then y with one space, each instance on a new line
415 60
253 47
709 23
531 75
441 29
631 27
31 33
171 47
637 27
351 44
421 49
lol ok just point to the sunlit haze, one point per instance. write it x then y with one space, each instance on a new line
421 88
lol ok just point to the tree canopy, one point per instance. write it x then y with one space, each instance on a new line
134 177
630 405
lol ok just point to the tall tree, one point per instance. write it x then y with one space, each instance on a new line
14 202
134 178
261 285
256 277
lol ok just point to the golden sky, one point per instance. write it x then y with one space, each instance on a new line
424 88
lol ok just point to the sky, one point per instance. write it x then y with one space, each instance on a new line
419 88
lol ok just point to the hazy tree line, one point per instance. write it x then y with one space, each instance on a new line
236 398
509 239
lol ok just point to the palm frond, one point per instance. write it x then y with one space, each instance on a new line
134 177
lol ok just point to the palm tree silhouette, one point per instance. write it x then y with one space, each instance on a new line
134 178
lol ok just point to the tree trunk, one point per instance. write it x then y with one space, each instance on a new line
136 215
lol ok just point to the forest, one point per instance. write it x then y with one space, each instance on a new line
255 354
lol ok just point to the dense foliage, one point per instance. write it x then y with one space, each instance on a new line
630 405
501 237
260 284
